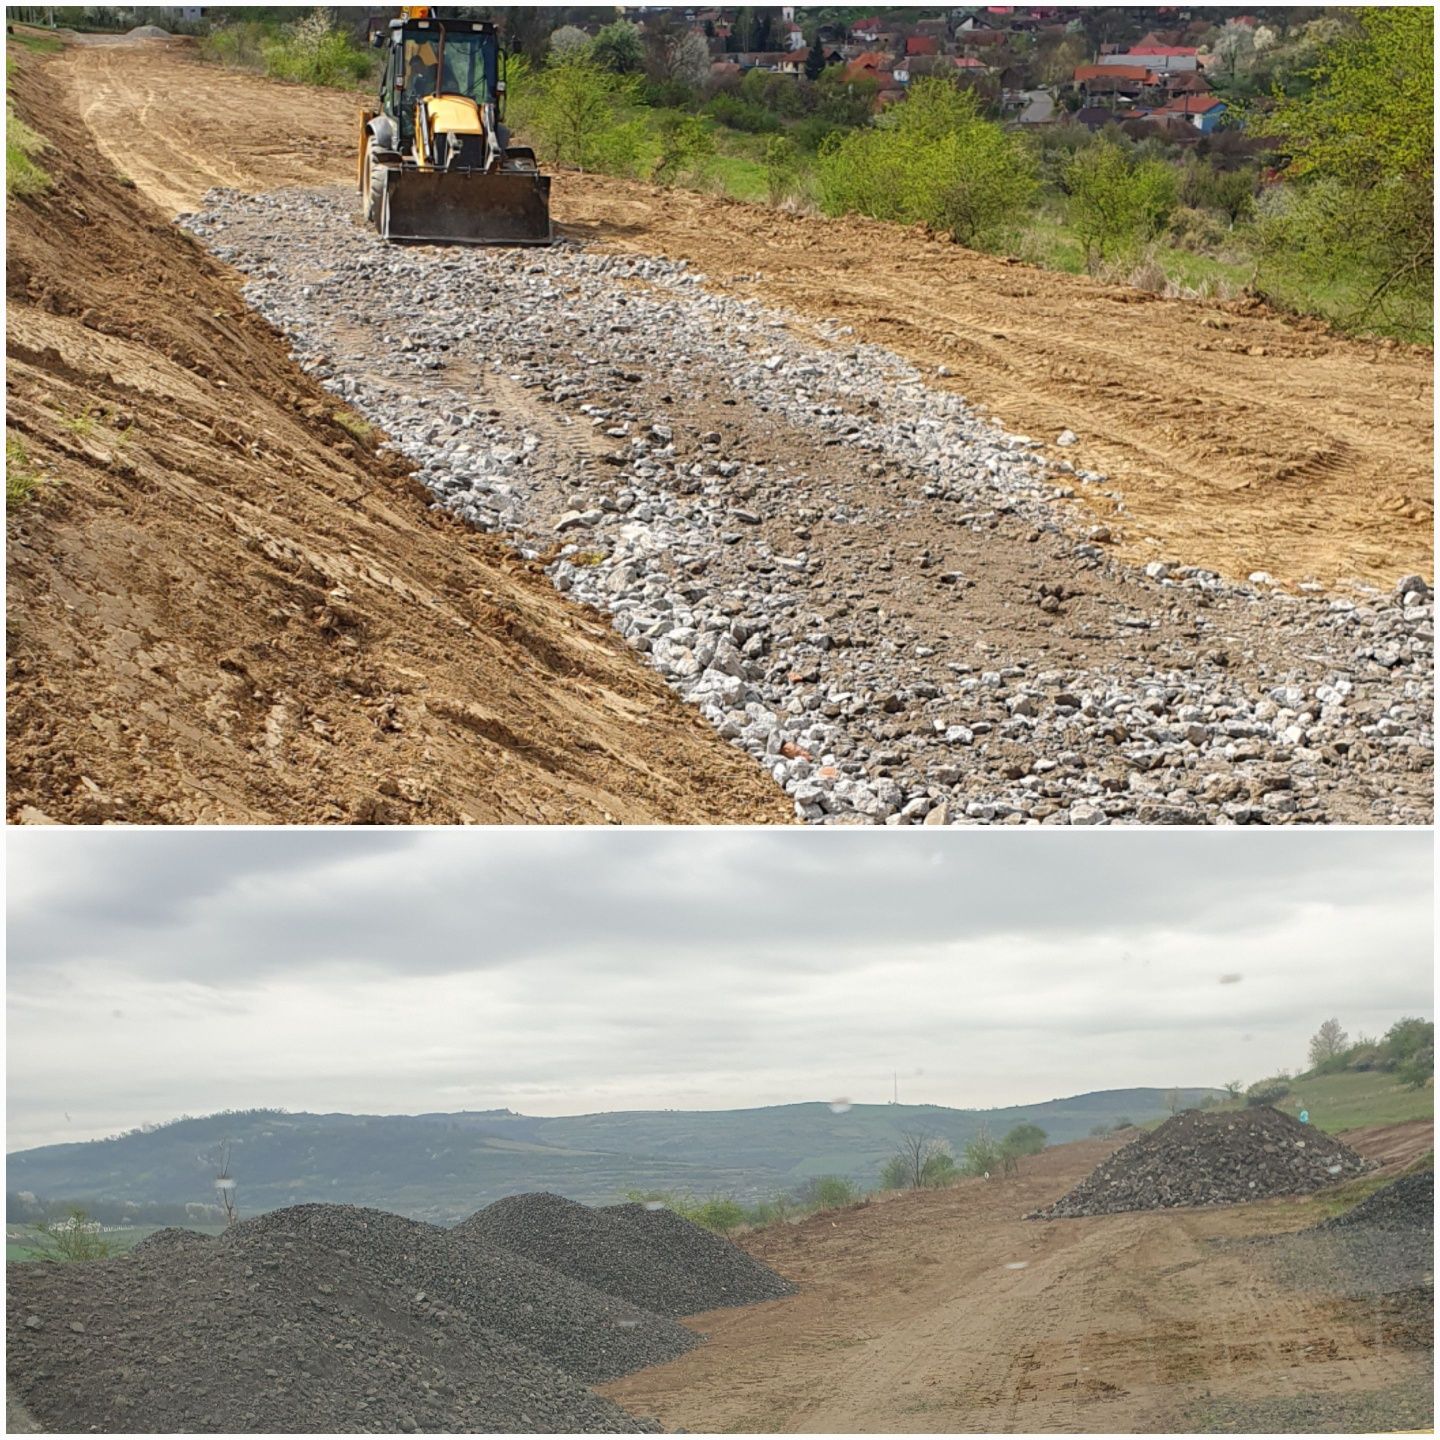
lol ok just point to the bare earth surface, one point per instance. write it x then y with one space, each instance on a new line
1240 440
948 1312
225 608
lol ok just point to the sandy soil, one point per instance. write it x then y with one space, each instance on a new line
225 608
949 1312
1241 440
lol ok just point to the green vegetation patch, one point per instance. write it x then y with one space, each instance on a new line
21 481
22 175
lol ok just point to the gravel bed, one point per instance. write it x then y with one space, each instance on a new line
666 1264
1406 1204
894 605
1211 1158
263 1331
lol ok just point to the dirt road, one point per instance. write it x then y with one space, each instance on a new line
1238 440
949 1312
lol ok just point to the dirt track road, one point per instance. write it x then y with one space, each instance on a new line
949 1312
1239 440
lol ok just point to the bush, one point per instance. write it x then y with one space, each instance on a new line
1419 1069
782 169
76 1237
936 162
686 145
827 1192
1025 1140
580 114
982 1155
1267 1092
1117 201
1196 230
313 52
739 114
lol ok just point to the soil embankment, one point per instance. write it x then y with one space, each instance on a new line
225 606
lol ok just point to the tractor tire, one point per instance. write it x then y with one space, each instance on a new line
375 197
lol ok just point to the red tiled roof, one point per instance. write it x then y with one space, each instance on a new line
870 22
922 45
1191 105
1162 50
871 60
1113 72
969 62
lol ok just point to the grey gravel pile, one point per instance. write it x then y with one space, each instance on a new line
266 1331
729 483
589 1334
171 1239
1211 1158
1405 1204
671 1266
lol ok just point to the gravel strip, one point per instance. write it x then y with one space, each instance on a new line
263 1331
660 1261
1204 1158
895 606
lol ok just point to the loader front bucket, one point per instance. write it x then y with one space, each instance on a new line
467 207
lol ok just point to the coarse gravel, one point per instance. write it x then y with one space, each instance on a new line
587 1333
1211 1158
895 606
266 1331
661 1261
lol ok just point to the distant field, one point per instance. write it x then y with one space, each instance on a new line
20 1245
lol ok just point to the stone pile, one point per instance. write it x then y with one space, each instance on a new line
1211 1158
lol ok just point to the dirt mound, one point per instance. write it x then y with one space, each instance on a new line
264 1331
1405 1204
588 1334
225 606
147 32
1201 1158
669 1267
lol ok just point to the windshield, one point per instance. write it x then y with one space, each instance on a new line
463 60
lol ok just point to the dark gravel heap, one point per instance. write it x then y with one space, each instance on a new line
264 1330
664 1264
1211 1158
172 1238
1405 1204
590 1335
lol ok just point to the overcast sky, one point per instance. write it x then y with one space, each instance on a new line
154 973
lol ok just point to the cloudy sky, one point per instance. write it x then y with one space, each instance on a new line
154 973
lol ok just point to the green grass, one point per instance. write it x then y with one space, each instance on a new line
348 421
44 44
21 481
22 175
1353 1099
19 1245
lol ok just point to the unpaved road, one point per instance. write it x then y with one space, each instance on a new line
1239 440
948 1312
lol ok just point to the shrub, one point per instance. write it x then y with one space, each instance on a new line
580 114
1025 1139
739 114
1419 1069
686 144
313 52
1267 1092
77 1237
827 1192
782 169
936 162
1116 200
982 1154
1196 230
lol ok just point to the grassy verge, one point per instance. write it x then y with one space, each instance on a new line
726 1215
41 44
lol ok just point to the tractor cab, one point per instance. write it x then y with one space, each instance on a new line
443 78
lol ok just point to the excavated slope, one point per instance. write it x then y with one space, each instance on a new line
226 607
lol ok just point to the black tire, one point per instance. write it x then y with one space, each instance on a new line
377 200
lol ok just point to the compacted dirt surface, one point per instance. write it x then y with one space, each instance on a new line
225 607
948 1311
903 611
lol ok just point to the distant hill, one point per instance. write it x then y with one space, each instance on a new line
442 1167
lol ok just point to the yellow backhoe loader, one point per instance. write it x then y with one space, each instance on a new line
436 163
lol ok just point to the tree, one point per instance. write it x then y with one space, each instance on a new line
225 1185
1234 1089
1327 1043
676 57
1025 1139
1407 1037
1117 200
1360 150
1173 1101
618 47
815 60
569 42
922 1160
982 1154
578 112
